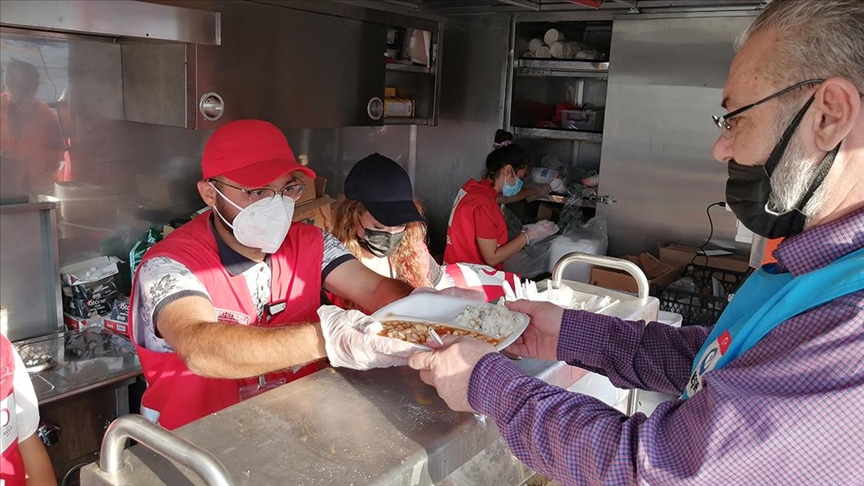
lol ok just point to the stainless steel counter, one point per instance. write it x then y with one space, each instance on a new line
344 427
377 427
83 360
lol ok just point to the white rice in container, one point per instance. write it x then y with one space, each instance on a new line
491 319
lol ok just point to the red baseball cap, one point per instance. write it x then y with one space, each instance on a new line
252 153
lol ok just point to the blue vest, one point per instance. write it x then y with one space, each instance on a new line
765 301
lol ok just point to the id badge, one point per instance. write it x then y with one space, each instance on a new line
263 385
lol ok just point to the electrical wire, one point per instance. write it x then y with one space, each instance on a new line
710 234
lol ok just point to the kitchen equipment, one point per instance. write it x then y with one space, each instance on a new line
628 307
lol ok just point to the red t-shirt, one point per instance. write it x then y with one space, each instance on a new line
475 214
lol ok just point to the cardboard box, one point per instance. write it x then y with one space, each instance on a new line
314 189
551 212
681 255
416 46
658 273
389 92
116 326
78 323
88 287
118 319
317 213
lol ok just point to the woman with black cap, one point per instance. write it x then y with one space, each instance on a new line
380 223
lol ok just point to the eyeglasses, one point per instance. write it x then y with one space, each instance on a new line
725 127
293 191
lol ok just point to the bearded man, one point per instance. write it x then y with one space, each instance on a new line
772 393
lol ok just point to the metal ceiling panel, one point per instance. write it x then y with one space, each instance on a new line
467 7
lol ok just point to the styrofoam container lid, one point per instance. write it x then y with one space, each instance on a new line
557 50
535 44
553 35
671 318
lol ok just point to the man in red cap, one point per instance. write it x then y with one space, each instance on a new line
225 306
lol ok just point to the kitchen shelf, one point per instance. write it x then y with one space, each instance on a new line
408 68
559 68
406 121
552 133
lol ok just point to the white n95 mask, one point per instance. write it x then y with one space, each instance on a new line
262 224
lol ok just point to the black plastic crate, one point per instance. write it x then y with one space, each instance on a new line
700 307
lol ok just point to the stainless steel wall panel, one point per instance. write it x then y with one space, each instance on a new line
155 85
333 152
123 177
471 109
29 290
294 68
665 81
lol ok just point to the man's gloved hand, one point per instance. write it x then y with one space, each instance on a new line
469 294
539 230
352 341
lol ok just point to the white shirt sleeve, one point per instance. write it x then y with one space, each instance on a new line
26 406
161 280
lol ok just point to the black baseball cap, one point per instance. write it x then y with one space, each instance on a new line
384 188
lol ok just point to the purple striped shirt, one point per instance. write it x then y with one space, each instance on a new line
788 411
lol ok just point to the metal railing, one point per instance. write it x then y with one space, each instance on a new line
602 261
163 442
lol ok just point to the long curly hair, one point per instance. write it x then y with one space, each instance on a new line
409 262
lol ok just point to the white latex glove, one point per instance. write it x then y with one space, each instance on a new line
539 230
352 341
469 294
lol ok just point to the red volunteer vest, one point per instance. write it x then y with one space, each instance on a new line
461 232
482 278
11 462
176 394
35 140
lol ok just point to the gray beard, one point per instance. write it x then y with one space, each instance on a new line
791 179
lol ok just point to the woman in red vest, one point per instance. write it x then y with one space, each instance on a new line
23 459
477 232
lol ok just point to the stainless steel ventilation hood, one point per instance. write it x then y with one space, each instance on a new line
118 18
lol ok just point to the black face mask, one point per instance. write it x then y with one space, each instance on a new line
748 189
381 243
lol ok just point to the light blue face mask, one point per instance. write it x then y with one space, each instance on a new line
511 190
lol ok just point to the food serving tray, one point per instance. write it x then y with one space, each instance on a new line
438 309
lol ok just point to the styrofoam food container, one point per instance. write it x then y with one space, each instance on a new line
552 36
